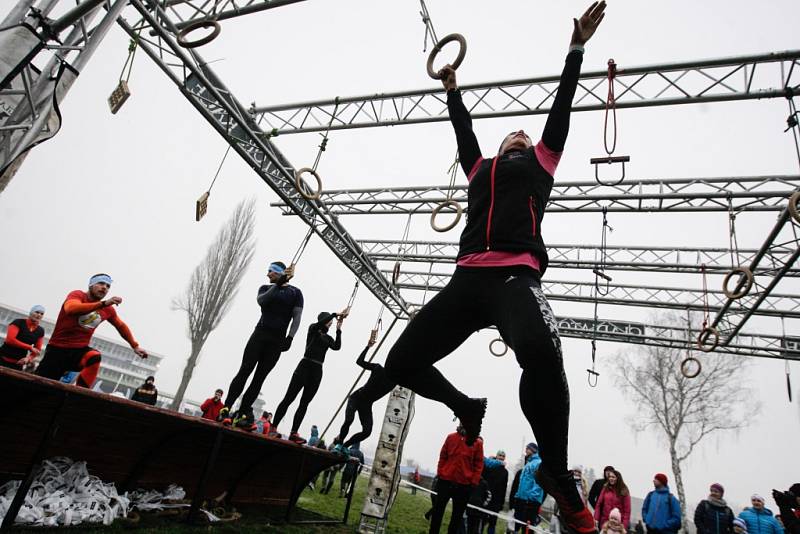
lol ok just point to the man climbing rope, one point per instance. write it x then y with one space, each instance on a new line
361 400
308 373
280 304
497 281
23 340
81 313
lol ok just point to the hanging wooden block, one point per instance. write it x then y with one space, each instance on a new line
201 207
119 96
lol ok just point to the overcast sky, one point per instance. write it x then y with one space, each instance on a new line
116 194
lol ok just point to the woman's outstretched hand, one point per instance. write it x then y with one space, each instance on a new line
587 24
448 76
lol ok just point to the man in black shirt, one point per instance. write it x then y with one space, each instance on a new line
23 340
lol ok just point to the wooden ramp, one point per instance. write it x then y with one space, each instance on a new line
139 446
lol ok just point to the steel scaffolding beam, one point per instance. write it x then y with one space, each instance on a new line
774 305
619 258
711 80
185 12
200 85
743 193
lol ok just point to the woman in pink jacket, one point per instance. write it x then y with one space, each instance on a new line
615 494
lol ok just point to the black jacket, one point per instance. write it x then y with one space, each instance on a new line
514 488
318 342
710 518
497 477
594 491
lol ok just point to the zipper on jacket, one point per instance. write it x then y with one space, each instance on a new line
491 206
533 216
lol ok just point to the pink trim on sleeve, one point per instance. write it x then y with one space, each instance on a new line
547 158
474 169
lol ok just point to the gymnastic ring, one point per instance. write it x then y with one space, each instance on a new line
446 204
395 273
413 313
302 188
497 352
794 211
747 273
438 48
702 338
185 43
684 367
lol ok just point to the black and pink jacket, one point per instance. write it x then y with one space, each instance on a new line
507 195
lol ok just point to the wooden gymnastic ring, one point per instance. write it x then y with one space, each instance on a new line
413 313
439 208
497 353
395 273
684 366
703 336
748 274
302 188
184 33
794 211
438 48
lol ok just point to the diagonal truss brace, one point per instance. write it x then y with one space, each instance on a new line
711 80
219 107
619 258
774 305
746 193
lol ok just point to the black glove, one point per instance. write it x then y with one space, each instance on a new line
287 344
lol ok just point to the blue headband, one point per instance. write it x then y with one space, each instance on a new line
275 268
37 308
98 278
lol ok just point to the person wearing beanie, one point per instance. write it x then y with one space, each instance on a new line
530 495
789 505
281 304
739 526
661 511
23 340
147 392
713 515
82 312
597 485
307 375
614 524
759 518
615 496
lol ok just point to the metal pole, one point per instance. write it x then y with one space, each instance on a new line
17 13
73 15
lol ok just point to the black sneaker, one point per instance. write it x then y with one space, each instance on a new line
472 419
244 421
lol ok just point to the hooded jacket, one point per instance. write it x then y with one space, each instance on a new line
318 341
760 521
713 518
661 510
459 462
607 501
528 489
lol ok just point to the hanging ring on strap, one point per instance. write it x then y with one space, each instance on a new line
609 160
498 352
592 377
743 287
184 33
450 203
703 338
438 48
687 364
395 273
301 186
794 209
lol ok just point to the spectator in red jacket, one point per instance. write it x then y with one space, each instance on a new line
459 471
212 406
614 494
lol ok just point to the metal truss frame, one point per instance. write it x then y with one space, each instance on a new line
206 92
743 193
673 298
712 80
619 258
185 12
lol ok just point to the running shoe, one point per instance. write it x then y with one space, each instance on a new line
244 421
573 510
295 437
224 416
472 419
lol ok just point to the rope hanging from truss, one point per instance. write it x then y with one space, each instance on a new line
301 248
707 332
301 186
793 125
609 158
401 250
744 274
352 299
691 366
201 206
448 201
122 92
786 364
430 32
599 274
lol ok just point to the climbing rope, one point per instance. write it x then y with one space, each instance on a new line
430 32
611 106
301 248
786 363
401 250
707 332
209 22
448 201
201 206
301 186
690 366
737 269
599 273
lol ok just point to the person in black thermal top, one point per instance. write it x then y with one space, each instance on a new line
361 400
308 374
501 259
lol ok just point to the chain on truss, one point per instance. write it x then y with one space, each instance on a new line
448 201
301 186
609 158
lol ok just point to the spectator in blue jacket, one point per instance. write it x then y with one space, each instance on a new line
759 519
530 495
661 511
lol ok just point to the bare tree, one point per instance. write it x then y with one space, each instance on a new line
684 410
214 284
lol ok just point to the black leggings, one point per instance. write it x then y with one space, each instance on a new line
307 377
363 407
511 299
446 490
261 353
